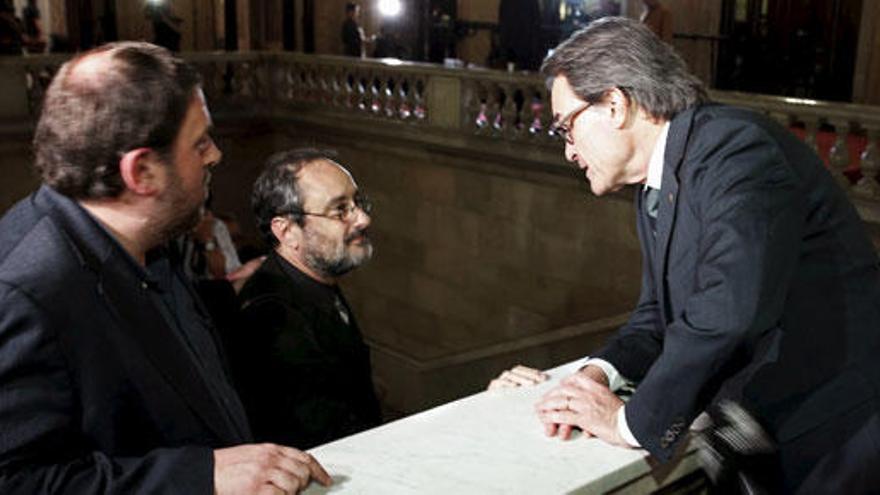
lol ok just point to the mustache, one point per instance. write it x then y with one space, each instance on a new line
361 233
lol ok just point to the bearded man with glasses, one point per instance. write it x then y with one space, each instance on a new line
297 331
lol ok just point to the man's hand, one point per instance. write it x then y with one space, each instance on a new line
518 376
582 400
265 469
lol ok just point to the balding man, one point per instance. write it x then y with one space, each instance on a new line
111 380
298 331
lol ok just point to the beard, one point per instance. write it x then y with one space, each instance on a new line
183 212
336 260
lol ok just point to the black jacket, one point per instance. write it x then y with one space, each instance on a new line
304 374
97 393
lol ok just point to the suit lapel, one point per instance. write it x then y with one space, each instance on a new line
676 142
135 313
138 317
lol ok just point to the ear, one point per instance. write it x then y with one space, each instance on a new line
139 169
287 232
619 106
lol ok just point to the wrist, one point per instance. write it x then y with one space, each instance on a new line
595 373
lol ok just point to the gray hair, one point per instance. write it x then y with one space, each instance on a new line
276 191
615 52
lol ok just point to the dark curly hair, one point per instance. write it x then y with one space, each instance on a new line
89 120
276 191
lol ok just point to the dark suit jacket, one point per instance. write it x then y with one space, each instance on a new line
97 393
293 337
761 286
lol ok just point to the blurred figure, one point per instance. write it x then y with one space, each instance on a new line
519 27
11 30
34 40
658 19
353 38
166 26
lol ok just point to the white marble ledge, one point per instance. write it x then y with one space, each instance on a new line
490 442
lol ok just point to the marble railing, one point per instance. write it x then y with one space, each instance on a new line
499 107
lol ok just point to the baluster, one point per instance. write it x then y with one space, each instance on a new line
326 79
340 93
292 89
350 88
404 93
258 81
480 108
838 158
495 116
390 96
375 94
811 128
536 113
362 91
870 166
508 112
380 98
547 118
419 110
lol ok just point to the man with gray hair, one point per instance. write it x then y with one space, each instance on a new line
297 328
111 376
759 284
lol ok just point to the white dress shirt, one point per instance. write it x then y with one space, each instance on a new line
615 380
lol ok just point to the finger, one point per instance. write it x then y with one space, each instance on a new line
552 404
301 462
530 373
553 392
269 489
319 474
565 431
550 429
520 379
499 383
287 481
562 418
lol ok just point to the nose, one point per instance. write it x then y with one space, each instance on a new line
213 156
362 219
570 152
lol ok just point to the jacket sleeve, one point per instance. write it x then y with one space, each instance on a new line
637 344
751 216
42 449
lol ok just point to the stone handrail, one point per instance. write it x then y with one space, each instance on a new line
500 107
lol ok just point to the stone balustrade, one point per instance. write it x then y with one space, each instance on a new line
497 106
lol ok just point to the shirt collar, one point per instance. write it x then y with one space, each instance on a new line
320 293
655 165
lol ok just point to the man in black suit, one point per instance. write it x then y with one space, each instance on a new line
111 379
297 328
759 283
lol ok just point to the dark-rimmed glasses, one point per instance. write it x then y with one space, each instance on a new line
564 126
346 211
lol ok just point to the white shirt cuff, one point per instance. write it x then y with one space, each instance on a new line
623 429
615 381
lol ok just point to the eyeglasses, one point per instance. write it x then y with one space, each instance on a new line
564 126
346 211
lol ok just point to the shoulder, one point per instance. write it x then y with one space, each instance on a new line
268 285
728 142
35 255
